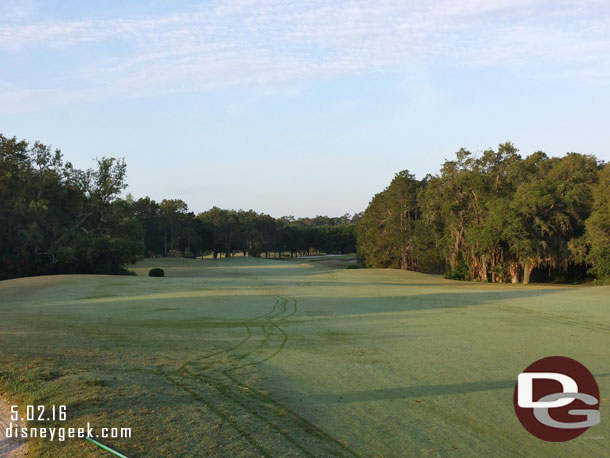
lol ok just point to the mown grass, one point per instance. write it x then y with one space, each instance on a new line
248 357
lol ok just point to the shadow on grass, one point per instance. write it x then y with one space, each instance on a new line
417 302
422 391
415 391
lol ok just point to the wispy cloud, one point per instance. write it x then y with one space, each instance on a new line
15 10
258 42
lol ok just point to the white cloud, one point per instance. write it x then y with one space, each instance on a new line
266 42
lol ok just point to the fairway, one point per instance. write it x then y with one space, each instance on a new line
252 357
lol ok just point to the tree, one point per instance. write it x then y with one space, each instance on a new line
148 214
172 212
598 228
58 219
386 230
491 217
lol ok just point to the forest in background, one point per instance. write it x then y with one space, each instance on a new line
55 218
495 217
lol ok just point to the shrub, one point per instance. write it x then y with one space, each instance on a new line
156 272
353 266
600 258
461 272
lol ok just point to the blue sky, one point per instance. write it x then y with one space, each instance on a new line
301 108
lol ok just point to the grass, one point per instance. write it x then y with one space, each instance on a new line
249 357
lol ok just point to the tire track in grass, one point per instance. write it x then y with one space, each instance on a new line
268 326
249 332
219 376
300 433
229 403
217 386
269 329
235 347
240 404
277 351
225 351
195 394
305 425
261 331
212 381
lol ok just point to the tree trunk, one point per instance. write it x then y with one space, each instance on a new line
228 238
514 272
483 270
527 272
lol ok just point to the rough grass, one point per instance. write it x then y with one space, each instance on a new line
247 357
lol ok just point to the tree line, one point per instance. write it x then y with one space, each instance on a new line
495 217
55 218
170 229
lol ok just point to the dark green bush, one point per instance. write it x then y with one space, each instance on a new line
461 272
156 272
600 258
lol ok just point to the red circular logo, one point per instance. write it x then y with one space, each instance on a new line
556 399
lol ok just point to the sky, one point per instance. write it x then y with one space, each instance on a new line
301 108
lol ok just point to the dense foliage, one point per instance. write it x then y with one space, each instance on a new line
55 218
497 217
494 217
58 219
169 229
598 227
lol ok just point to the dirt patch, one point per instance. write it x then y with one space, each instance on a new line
9 446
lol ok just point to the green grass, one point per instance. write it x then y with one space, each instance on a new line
249 357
